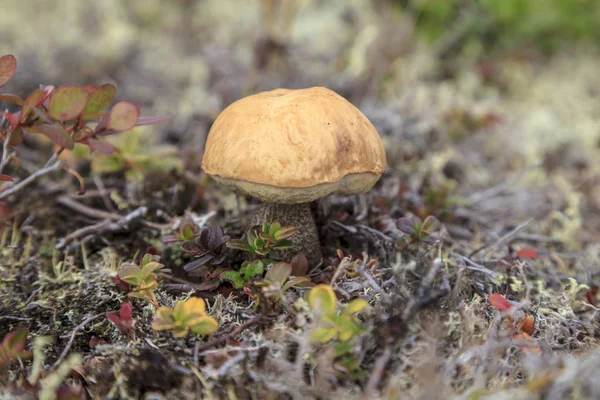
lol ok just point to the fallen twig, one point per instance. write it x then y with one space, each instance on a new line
104 226
70 342
25 182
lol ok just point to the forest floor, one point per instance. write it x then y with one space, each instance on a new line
502 155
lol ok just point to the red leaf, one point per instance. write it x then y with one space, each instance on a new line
97 145
125 312
527 253
99 99
35 99
55 132
6 178
15 340
526 325
114 318
67 102
123 116
498 301
152 120
8 66
12 118
11 98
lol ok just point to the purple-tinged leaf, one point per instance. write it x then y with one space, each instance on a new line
35 99
406 225
99 146
6 178
8 66
56 133
67 103
123 116
11 98
99 99
152 120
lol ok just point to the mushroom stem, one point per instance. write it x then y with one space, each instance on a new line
306 239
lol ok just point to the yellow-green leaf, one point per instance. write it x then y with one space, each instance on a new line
322 335
356 306
206 326
322 300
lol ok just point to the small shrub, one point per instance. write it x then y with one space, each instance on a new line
186 316
142 280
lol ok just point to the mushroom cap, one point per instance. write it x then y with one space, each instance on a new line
294 146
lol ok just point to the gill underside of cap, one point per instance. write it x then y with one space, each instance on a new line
347 185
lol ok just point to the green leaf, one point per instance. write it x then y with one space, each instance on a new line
123 116
99 99
274 228
322 335
296 281
206 326
279 273
239 245
131 274
234 277
322 300
55 132
253 269
8 67
67 102
283 244
285 232
339 349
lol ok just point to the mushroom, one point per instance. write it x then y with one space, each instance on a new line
288 148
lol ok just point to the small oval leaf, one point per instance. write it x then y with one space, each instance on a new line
11 98
498 301
99 99
67 103
123 116
6 178
35 99
56 133
322 300
8 66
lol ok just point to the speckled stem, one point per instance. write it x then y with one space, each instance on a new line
306 239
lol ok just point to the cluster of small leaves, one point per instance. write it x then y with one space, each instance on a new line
279 278
249 271
187 230
68 114
123 320
186 316
523 330
332 324
208 247
420 230
13 345
142 279
261 240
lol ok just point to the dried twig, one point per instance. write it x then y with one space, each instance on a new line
25 182
70 342
104 226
